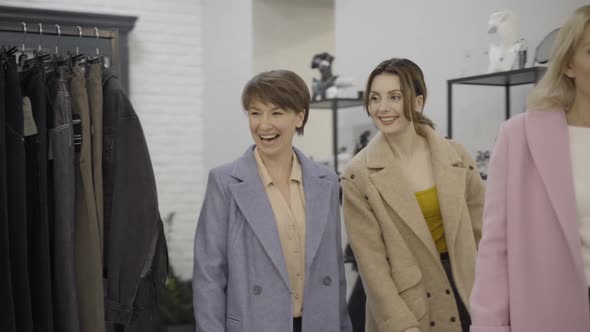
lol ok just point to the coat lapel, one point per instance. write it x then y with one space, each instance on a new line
393 188
548 138
450 181
318 196
252 201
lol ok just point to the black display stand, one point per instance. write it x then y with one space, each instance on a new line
335 104
504 79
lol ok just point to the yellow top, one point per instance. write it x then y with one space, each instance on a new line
428 201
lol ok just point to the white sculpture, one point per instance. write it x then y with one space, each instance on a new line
506 42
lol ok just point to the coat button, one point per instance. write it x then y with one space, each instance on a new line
257 290
453 319
448 292
432 324
470 168
352 176
427 294
367 198
327 281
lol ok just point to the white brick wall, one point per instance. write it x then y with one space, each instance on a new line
166 83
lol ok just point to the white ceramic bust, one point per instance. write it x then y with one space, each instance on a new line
506 42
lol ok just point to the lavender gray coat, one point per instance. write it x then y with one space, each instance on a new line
240 280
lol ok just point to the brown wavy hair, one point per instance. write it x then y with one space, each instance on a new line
412 85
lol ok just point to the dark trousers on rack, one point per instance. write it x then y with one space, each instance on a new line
34 89
7 320
65 301
88 256
16 199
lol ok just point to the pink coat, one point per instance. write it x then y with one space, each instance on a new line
529 273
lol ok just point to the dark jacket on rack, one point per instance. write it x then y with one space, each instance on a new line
135 250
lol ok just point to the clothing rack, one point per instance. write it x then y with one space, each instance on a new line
107 36
106 33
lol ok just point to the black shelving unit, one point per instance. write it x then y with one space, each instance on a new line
505 79
334 105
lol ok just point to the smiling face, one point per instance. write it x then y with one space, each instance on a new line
273 128
386 104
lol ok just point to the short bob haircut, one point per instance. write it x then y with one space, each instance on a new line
281 88
556 89
412 85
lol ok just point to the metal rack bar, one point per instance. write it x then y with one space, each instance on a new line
113 31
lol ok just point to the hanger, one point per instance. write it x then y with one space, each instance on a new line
57 58
39 55
11 51
97 39
39 51
22 58
76 58
56 55
5 54
58 30
98 58
29 62
79 39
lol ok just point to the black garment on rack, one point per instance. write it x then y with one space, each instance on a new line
6 297
16 199
33 87
135 251
61 137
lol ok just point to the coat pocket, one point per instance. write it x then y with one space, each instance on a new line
232 324
407 277
407 281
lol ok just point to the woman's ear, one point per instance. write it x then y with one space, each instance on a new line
419 103
300 118
569 72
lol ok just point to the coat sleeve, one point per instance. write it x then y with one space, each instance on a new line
345 324
490 297
210 260
366 238
474 193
